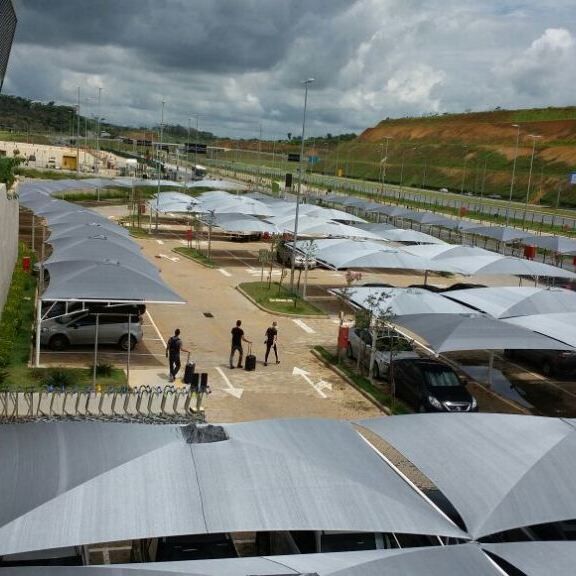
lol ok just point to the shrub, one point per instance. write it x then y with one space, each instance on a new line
59 378
103 369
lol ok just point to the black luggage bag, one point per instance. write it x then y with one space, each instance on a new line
250 361
189 370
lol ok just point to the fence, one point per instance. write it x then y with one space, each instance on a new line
144 404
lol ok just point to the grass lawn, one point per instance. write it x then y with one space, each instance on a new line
21 378
266 297
16 326
377 392
195 255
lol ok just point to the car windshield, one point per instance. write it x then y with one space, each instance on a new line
440 377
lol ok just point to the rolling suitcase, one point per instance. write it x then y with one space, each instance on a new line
250 361
189 371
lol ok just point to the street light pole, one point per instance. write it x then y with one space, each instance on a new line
159 163
98 132
298 190
508 206
383 167
464 169
78 136
534 138
188 143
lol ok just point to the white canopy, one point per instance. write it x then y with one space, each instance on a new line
500 471
504 302
401 301
453 332
558 325
314 226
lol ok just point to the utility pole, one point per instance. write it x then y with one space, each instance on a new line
78 136
159 163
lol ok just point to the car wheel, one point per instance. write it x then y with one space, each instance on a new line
58 343
547 369
422 409
349 351
126 341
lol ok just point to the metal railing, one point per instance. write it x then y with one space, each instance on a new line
145 404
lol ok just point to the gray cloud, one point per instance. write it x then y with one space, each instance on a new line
240 63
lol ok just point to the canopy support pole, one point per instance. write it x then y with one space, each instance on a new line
95 352
490 367
129 349
425 277
38 328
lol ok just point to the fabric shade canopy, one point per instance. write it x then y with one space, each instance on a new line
241 223
106 281
86 230
76 217
96 239
558 244
402 301
500 233
504 302
452 332
237 204
171 201
391 211
313 226
558 325
429 218
533 558
512 471
134 481
329 213
471 260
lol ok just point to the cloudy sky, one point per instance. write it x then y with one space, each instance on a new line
239 64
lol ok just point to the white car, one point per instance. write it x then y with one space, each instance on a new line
360 345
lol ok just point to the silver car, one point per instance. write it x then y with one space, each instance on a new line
80 330
360 345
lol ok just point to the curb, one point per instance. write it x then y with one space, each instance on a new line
285 314
351 382
207 266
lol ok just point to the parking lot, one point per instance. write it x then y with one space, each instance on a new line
213 306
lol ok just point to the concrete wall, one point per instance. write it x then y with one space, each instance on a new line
8 241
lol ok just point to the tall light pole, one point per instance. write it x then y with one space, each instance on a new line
306 84
464 169
78 136
534 138
159 163
401 189
98 132
383 166
188 143
508 206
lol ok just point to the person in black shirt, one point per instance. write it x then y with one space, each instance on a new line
237 339
173 348
271 342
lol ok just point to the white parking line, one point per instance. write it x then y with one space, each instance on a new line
224 272
156 328
160 241
304 326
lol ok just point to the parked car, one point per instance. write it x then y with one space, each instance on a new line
549 362
284 256
52 309
64 331
431 386
360 345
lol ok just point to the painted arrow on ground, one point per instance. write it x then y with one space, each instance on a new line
319 386
236 392
171 258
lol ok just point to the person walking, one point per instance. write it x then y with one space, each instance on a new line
271 342
173 349
237 339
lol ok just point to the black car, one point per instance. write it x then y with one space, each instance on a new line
550 362
431 386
